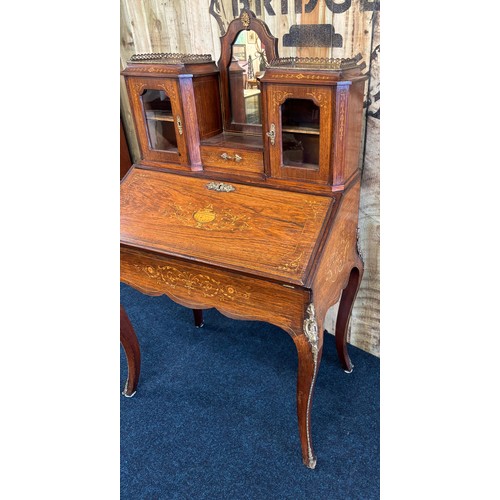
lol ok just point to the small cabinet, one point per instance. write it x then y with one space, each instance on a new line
312 125
299 132
175 103
159 119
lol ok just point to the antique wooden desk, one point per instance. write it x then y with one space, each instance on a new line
258 220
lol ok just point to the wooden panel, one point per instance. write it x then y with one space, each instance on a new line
199 287
339 255
206 91
265 231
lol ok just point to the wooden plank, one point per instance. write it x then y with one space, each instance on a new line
365 322
127 48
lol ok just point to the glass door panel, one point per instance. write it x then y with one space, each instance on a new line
160 123
300 133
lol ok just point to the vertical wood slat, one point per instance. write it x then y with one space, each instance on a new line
127 48
364 328
181 26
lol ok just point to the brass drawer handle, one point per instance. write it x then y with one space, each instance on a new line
236 157
272 134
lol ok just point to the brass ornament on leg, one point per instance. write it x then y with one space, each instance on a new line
311 332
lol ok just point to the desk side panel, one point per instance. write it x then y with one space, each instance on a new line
339 254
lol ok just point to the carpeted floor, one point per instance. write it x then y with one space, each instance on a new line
214 415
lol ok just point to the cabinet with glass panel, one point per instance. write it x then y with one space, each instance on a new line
308 106
175 103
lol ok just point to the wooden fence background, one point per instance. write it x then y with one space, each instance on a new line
194 26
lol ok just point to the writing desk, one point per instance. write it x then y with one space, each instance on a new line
253 213
251 252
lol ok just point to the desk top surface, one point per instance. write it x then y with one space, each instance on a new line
258 230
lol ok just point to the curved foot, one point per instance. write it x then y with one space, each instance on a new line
343 316
309 348
130 344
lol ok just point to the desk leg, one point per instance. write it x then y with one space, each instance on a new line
130 344
309 348
198 318
344 314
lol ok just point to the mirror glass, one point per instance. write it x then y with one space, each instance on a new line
247 65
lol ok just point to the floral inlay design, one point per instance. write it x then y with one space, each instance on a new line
193 282
315 207
339 259
320 97
291 265
209 219
280 96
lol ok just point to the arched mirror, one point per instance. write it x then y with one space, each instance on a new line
245 49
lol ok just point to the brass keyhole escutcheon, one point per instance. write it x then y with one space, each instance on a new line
272 134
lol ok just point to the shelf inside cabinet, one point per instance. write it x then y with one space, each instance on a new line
160 116
302 130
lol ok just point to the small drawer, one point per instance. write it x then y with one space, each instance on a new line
216 159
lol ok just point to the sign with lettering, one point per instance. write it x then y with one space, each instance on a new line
303 35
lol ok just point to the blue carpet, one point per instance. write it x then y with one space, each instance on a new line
214 415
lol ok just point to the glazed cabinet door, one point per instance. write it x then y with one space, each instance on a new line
157 108
298 132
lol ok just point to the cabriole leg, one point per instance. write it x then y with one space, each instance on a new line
343 316
309 349
130 344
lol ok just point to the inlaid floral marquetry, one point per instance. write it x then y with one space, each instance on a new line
292 264
340 257
321 98
208 218
316 208
195 283
279 96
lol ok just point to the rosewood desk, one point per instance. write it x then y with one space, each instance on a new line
248 207
252 253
